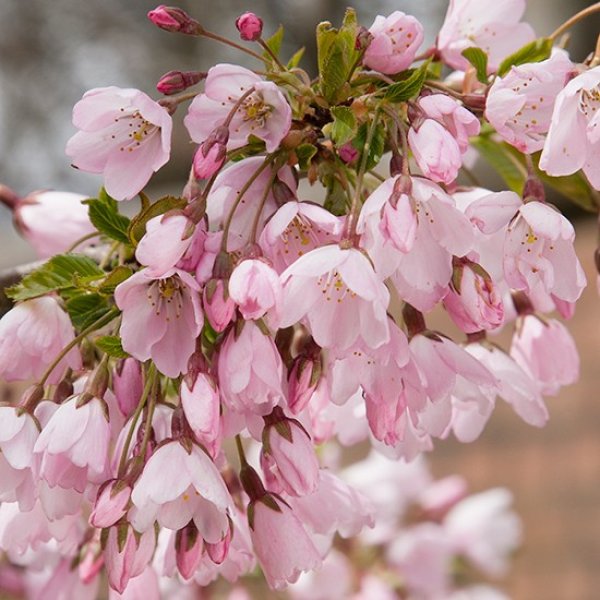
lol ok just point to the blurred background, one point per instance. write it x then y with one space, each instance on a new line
52 52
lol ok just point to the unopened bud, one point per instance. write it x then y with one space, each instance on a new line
363 39
396 165
282 192
534 189
188 550
174 82
250 26
348 153
175 20
218 551
218 305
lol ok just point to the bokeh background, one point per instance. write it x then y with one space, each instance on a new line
51 52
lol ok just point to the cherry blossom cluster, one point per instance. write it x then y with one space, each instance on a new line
193 369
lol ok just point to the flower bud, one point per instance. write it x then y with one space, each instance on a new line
218 305
128 385
363 39
111 503
348 153
188 550
174 82
250 26
174 20
304 377
219 550
211 154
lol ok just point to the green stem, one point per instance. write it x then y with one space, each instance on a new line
240 450
218 38
263 201
101 322
85 238
149 415
272 54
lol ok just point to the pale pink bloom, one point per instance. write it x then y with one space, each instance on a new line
484 528
339 294
124 135
547 351
473 301
372 586
201 405
111 503
333 581
395 42
295 229
250 26
447 111
141 587
515 385
173 496
224 194
492 26
478 592
167 239
264 113
538 252
65 582
218 305
32 334
519 105
127 554
162 318
293 462
436 151
73 445
281 544
53 221
250 371
127 385
439 497
255 287
573 140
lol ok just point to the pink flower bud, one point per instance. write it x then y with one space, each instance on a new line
111 503
209 157
304 377
174 20
250 26
174 82
348 153
188 550
398 223
219 550
218 305
128 385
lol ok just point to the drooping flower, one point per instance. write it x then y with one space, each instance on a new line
162 318
124 134
264 113
32 334
395 42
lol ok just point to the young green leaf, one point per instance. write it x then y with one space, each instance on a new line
535 51
410 86
305 153
377 147
86 309
105 217
113 279
137 227
498 155
344 125
111 345
479 59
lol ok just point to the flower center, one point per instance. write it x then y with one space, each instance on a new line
255 109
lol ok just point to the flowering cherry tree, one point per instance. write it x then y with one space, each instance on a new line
195 370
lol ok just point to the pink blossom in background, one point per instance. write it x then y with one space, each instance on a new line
124 135
32 334
395 42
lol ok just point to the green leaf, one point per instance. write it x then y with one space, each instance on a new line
59 273
111 345
344 125
479 59
377 144
305 153
86 309
409 86
502 160
113 279
137 227
535 51
296 58
105 217
274 43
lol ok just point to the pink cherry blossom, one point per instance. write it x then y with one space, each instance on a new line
124 135
264 113
395 42
162 318
282 546
144 586
519 105
250 371
492 26
193 491
573 140
41 214
332 287
547 352
539 253
32 334
255 287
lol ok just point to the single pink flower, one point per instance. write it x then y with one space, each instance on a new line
539 253
250 371
250 26
395 42
264 113
53 221
573 140
162 318
519 105
334 288
172 496
281 544
32 334
124 135
492 26
547 352
145 585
